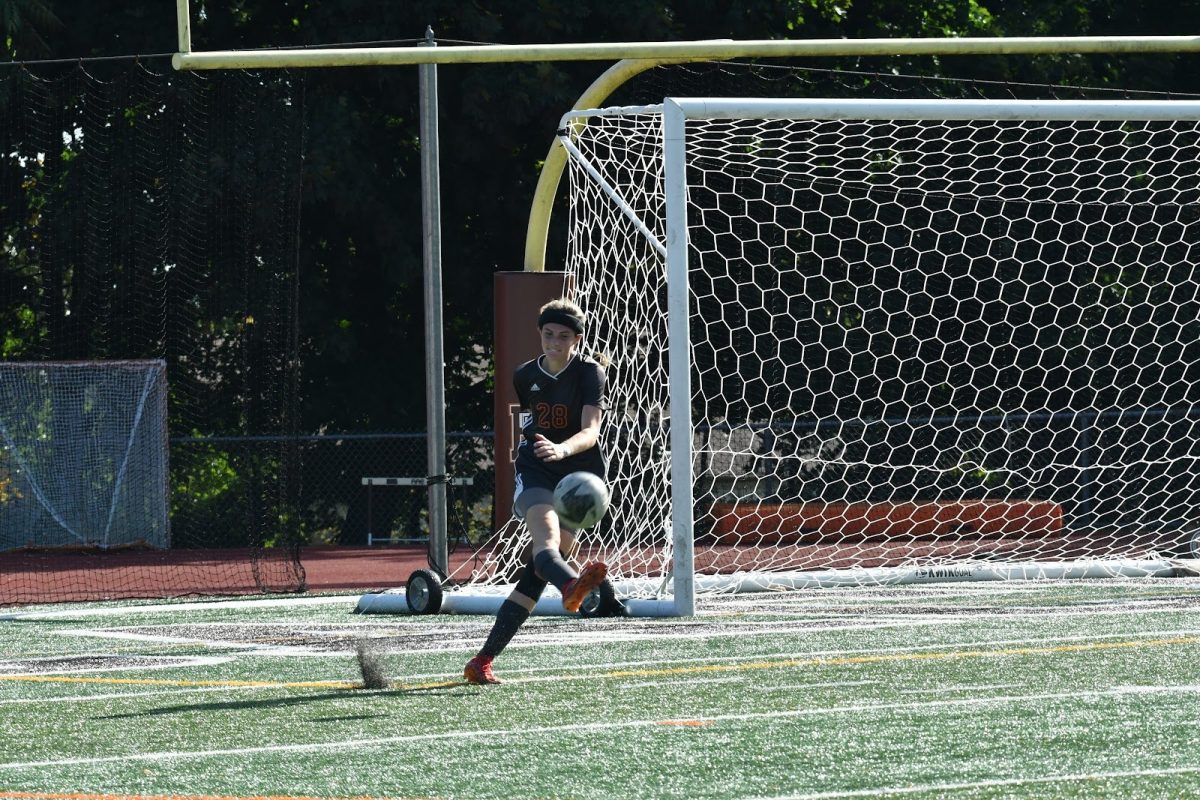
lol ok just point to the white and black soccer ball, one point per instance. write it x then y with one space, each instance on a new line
580 500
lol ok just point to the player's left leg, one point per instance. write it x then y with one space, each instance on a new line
569 548
512 615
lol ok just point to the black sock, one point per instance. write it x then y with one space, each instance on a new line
509 618
529 584
610 605
548 564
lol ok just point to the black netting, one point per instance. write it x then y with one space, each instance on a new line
150 214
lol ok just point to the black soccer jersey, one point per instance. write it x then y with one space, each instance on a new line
553 406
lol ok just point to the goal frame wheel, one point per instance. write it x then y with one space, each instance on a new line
423 592
590 607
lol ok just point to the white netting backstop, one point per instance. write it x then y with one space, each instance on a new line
83 454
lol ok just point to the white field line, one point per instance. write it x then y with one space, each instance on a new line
1146 606
659 664
158 639
1030 584
104 698
545 636
176 662
710 605
346 627
121 696
895 610
532 639
937 690
979 644
691 682
721 606
529 732
537 639
529 674
183 608
965 587
938 788
1147 587
881 622
594 667
791 687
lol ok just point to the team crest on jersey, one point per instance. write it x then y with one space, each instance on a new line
520 421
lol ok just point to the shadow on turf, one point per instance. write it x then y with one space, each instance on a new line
446 689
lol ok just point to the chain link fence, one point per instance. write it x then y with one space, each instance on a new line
215 478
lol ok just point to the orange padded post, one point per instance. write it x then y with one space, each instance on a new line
518 296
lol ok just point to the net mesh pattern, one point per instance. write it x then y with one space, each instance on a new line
911 342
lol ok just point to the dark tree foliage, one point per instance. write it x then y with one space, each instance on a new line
361 304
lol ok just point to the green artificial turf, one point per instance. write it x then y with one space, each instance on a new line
1084 689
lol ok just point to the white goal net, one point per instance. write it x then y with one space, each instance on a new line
83 454
938 336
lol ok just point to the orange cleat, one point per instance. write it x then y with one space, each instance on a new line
479 671
574 592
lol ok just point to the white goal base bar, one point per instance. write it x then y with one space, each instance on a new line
475 600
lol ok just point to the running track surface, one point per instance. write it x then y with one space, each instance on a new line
47 576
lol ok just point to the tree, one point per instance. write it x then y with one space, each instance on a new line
26 24
360 246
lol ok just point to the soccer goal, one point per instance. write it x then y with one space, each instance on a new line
861 341
880 340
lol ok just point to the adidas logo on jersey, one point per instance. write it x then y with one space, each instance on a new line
535 388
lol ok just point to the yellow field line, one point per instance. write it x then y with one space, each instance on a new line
78 796
644 673
229 684
891 657
164 682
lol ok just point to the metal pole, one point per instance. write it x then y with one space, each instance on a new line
183 21
435 395
679 357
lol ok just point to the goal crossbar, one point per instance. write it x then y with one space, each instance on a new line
726 108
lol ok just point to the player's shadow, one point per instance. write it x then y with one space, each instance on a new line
449 689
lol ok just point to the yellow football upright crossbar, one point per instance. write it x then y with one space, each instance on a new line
716 50
636 57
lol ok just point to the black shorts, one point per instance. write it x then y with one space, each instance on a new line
534 485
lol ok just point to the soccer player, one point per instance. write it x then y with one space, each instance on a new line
563 394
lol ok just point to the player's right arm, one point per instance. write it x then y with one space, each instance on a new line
586 438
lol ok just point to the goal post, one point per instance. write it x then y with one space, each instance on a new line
888 341
679 321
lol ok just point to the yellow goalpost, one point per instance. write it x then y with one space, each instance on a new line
636 57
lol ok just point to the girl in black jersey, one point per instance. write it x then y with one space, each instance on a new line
562 393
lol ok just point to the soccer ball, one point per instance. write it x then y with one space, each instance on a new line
580 500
